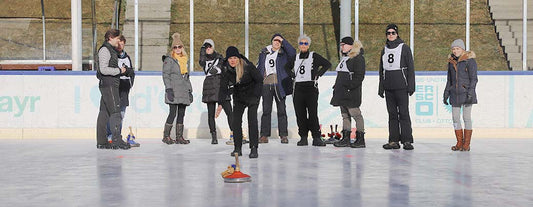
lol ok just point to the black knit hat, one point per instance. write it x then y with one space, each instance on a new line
276 35
394 27
232 51
347 40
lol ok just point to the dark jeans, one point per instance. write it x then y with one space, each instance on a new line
180 109
399 119
211 109
305 100
238 111
109 113
270 94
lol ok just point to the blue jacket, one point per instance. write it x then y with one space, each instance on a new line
287 53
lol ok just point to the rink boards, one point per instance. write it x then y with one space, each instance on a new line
65 105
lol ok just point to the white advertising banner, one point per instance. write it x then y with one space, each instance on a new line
63 100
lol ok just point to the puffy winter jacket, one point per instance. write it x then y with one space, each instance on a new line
347 90
178 88
286 54
462 79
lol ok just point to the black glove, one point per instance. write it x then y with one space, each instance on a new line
381 94
445 101
213 71
410 93
170 94
129 72
468 99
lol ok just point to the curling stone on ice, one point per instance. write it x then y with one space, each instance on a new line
234 175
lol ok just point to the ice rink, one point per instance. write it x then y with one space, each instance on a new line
45 172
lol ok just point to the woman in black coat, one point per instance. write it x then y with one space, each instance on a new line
461 91
247 84
215 88
347 91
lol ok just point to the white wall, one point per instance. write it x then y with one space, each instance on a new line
63 103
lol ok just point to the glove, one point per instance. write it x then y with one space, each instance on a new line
410 93
213 71
468 99
445 101
381 94
170 94
129 72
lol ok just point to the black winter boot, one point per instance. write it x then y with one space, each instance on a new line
253 152
214 138
359 140
318 142
302 142
236 150
179 135
345 141
166 134
118 142
391 145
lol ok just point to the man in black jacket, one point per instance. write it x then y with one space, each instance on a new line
396 84
109 75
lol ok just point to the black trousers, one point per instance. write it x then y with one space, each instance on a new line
399 119
305 100
270 94
253 130
211 108
109 112
180 110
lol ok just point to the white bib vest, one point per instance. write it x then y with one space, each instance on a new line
270 61
303 68
124 62
391 58
211 64
342 65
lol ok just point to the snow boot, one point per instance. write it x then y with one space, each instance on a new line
179 135
166 134
214 138
253 152
468 137
359 140
345 141
302 142
459 137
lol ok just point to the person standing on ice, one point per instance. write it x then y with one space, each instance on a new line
396 84
178 89
347 91
305 70
276 85
461 92
215 88
247 83
108 73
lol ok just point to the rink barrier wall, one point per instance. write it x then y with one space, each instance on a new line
64 105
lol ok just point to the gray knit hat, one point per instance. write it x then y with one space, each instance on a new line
458 43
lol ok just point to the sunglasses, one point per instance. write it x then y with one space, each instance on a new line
390 33
176 47
303 43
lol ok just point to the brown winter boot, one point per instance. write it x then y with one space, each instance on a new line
459 137
166 134
468 137
179 135
263 139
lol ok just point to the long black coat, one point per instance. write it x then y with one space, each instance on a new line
347 90
462 79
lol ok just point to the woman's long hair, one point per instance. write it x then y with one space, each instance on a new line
239 69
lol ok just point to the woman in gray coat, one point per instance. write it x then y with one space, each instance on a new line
178 89
461 91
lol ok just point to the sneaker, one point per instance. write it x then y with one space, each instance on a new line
391 145
131 141
408 146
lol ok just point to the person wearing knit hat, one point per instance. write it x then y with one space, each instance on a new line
277 84
396 84
246 82
178 89
460 92
215 88
305 70
108 74
347 92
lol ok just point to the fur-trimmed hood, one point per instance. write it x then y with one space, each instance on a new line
466 55
356 49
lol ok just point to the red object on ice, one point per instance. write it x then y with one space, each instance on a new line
237 174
